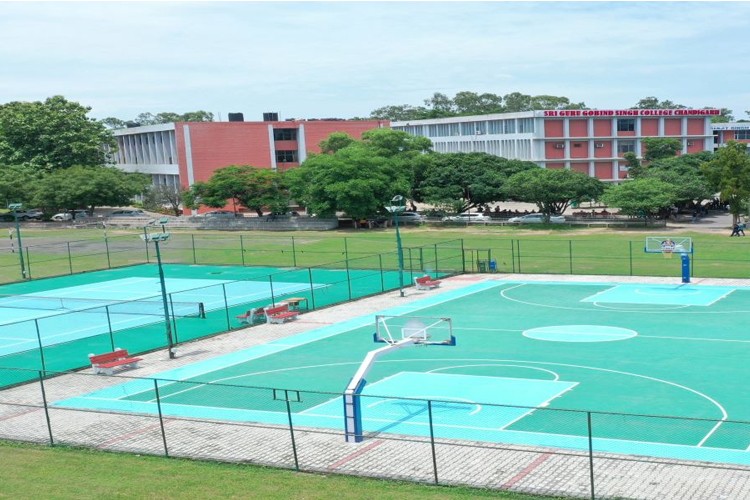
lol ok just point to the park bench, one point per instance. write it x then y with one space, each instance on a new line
426 283
252 316
280 313
105 363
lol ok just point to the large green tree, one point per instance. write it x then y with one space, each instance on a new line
252 187
729 173
88 187
159 118
685 174
552 190
458 182
660 147
361 177
52 134
17 184
641 197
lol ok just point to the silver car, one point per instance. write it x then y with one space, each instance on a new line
537 219
467 218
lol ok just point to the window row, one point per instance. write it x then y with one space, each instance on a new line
522 125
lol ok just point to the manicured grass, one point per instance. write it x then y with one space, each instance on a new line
31 471
552 249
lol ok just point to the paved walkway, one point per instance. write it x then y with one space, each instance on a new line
510 467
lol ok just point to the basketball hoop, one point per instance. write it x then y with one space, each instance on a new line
667 248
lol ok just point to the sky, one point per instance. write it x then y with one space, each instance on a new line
346 59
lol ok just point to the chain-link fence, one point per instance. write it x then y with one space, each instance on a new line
428 443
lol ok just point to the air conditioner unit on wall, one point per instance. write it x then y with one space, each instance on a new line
689 143
559 146
598 144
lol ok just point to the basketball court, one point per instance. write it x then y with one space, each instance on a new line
649 368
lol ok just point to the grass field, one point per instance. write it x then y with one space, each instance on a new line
557 250
33 472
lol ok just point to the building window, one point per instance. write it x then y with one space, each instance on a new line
526 125
626 125
285 134
577 144
286 156
510 126
495 126
626 147
742 134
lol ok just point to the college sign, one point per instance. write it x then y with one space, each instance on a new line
629 112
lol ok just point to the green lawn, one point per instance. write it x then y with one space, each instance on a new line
557 250
34 472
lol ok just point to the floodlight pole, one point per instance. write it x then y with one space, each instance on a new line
400 206
156 239
15 207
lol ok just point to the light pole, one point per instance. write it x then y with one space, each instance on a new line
157 238
15 207
397 206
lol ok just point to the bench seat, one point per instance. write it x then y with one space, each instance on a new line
426 283
107 362
280 313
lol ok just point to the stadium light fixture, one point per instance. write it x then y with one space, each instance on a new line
397 206
156 239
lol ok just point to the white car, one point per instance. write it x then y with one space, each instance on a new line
63 216
537 219
128 213
220 214
467 218
409 218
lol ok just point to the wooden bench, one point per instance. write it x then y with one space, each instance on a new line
105 363
280 313
426 283
253 316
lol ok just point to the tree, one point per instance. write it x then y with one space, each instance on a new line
660 147
552 190
17 184
360 178
403 112
461 181
251 187
641 197
729 173
90 187
440 106
162 196
685 174
51 135
470 103
163 117
655 103
725 116
113 123
335 142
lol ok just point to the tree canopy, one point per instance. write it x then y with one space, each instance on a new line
88 186
641 197
53 134
458 182
164 117
361 177
552 190
252 187
729 172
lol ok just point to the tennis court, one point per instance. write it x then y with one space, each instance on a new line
647 369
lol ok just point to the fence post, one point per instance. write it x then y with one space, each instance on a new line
294 254
432 441
312 288
28 262
46 409
518 247
591 454
39 340
291 428
226 304
106 249
270 286
570 255
161 418
70 259
109 328
630 256
513 255
348 277
192 243
382 279
242 251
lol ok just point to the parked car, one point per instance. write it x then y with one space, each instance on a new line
30 214
467 218
409 218
128 213
220 214
64 216
537 219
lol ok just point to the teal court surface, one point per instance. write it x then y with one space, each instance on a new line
646 369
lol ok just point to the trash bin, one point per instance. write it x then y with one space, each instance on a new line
493 266
482 266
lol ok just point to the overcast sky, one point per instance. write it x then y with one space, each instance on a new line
345 59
